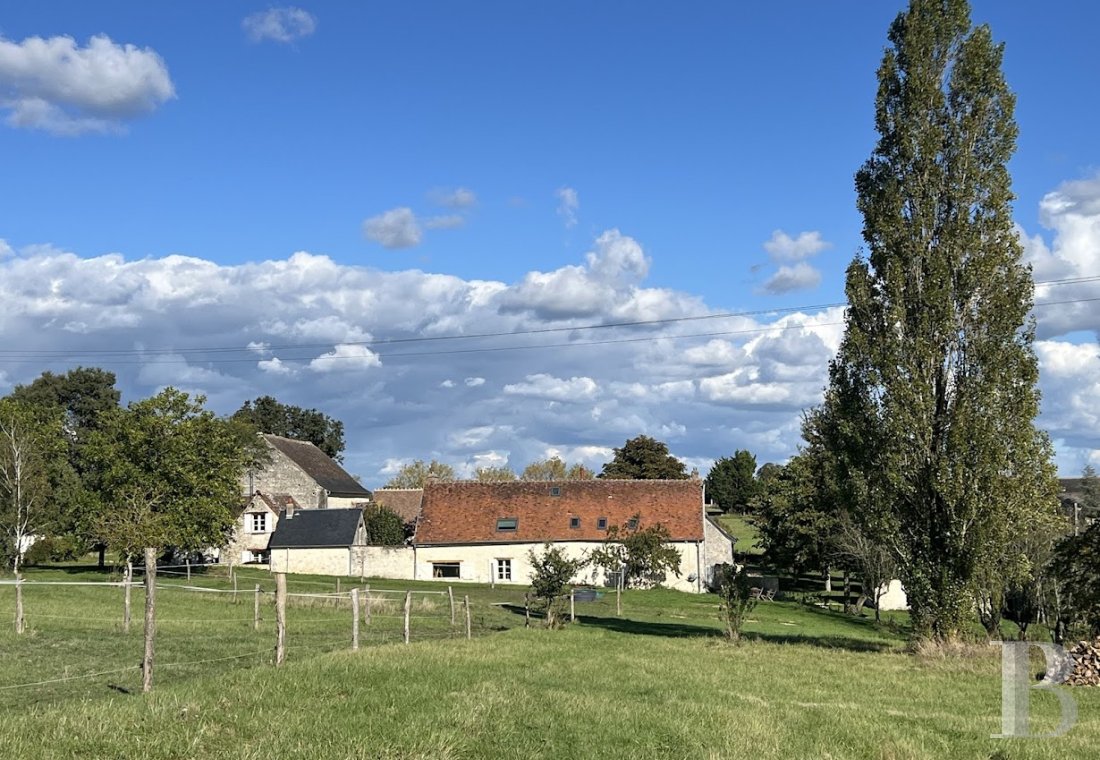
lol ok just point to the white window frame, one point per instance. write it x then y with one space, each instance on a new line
503 569
258 518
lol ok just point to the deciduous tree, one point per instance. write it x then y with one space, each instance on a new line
934 386
551 572
267 415
645 555
192 459
416 474
644 458
384 526
494 474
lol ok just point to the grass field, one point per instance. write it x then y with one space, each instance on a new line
741 528
658 682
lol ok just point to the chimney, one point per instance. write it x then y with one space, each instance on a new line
290 509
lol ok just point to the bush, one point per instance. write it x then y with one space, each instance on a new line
735 590
53 549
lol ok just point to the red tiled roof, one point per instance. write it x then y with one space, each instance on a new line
404 501
467 512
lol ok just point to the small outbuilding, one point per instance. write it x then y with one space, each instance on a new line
319 541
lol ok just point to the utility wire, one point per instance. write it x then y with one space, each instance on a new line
35 353
28 356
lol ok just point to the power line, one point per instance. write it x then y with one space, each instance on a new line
16 356
46 353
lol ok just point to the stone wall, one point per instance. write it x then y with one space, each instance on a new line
717 549
342 561
282 475
478 562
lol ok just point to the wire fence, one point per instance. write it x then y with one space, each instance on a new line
76 643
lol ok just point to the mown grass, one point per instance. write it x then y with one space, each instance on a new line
742 528
658 682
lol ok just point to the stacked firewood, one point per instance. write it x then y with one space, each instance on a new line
1086 664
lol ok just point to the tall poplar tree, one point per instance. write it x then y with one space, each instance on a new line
932 399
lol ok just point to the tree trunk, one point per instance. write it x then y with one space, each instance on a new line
20 624
847 592
828 575
102 561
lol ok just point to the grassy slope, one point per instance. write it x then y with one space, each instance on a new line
657 683
744 531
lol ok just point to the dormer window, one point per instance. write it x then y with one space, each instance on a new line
555 490
632 523
259 522
601 524
574 522
507 524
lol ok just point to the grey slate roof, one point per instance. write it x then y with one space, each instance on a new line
319 466
316 528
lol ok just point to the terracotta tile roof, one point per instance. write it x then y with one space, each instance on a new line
467 512
319 466
404 501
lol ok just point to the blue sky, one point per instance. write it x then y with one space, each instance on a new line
453 168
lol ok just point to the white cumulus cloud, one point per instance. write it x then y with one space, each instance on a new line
554 388
801 276
56 85
458 198
783 247
396 228
279 24
346 358
568 205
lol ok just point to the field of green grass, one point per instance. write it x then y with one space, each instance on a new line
657 682
741 528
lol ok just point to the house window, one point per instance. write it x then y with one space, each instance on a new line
507 524
555 490
504 569
574 522
632 523
601 524
259 522
446 569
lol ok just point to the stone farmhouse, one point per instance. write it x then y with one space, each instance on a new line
483 532
299 476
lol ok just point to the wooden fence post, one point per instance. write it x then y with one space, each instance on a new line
280 618
366 604
466 604
619 592
492 575
256 609
526 610
188 571
355 620
127 579
408 606
572 606
150 618
451 597
337 585
233 575
20 624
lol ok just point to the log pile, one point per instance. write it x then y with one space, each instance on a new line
1086 664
